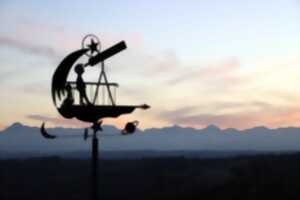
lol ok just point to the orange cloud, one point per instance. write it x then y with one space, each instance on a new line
265 114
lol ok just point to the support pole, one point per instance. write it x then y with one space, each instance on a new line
107 85
94 175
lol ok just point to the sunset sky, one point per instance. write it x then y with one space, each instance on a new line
196 62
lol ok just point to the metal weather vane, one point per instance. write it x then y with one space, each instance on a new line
82 106
86 108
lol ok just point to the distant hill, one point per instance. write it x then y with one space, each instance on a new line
22 141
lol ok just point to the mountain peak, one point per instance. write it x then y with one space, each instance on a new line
175 126
212 127
16 125
258 128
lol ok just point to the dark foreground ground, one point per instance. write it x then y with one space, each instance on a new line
255 177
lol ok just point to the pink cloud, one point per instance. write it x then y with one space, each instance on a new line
224 71
167 62
28 47
33 37
220 69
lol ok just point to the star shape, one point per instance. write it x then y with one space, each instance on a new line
93 46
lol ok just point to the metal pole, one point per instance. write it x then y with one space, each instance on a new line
94 175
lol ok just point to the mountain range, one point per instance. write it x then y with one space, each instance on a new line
19 140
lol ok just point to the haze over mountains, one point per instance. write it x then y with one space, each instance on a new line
20 140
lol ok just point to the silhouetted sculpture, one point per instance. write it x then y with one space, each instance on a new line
93 112
67 105
69 100
80 85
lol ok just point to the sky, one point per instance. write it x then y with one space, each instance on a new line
196 62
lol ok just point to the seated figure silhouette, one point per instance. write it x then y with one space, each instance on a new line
69 100
80 85
67 104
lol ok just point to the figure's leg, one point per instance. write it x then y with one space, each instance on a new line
86 98
81 98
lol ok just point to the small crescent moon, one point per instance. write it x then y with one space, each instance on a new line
45 134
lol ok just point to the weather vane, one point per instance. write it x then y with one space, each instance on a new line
72 100
87 108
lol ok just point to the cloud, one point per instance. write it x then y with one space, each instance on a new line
225 120
4 76
250 114
173 114
37 88
165 63
249 106
26 47
55 41
188 116
223 70
242 120
59 121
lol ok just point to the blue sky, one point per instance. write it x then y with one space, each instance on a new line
207 62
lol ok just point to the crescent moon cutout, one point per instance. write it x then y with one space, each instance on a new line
45 134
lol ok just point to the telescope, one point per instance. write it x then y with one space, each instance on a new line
101 56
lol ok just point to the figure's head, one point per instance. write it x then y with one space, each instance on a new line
79 69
